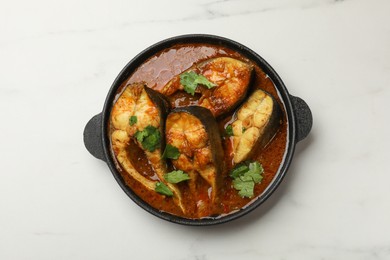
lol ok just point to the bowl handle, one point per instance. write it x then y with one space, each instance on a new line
93 137
303 117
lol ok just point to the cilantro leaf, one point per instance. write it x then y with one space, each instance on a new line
163 189
176 176
133 120
245 188
149 138
190 80
229 130
140 135
187 79
245 176
152 142
239 170
202 80
171 152
255 171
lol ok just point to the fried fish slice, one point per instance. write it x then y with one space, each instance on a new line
138 108
231 76
120 141
257 121
194 131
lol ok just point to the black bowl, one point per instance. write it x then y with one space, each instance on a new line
299 119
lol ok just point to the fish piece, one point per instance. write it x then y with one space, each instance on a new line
257 121
139 108
120 142
194 131
231 76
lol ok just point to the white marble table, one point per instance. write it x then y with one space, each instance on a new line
58 60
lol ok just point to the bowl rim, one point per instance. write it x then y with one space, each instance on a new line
254 57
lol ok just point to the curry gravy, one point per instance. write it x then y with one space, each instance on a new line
156 72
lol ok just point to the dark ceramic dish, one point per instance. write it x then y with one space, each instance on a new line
299 118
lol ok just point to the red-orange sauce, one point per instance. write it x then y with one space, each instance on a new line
158 71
